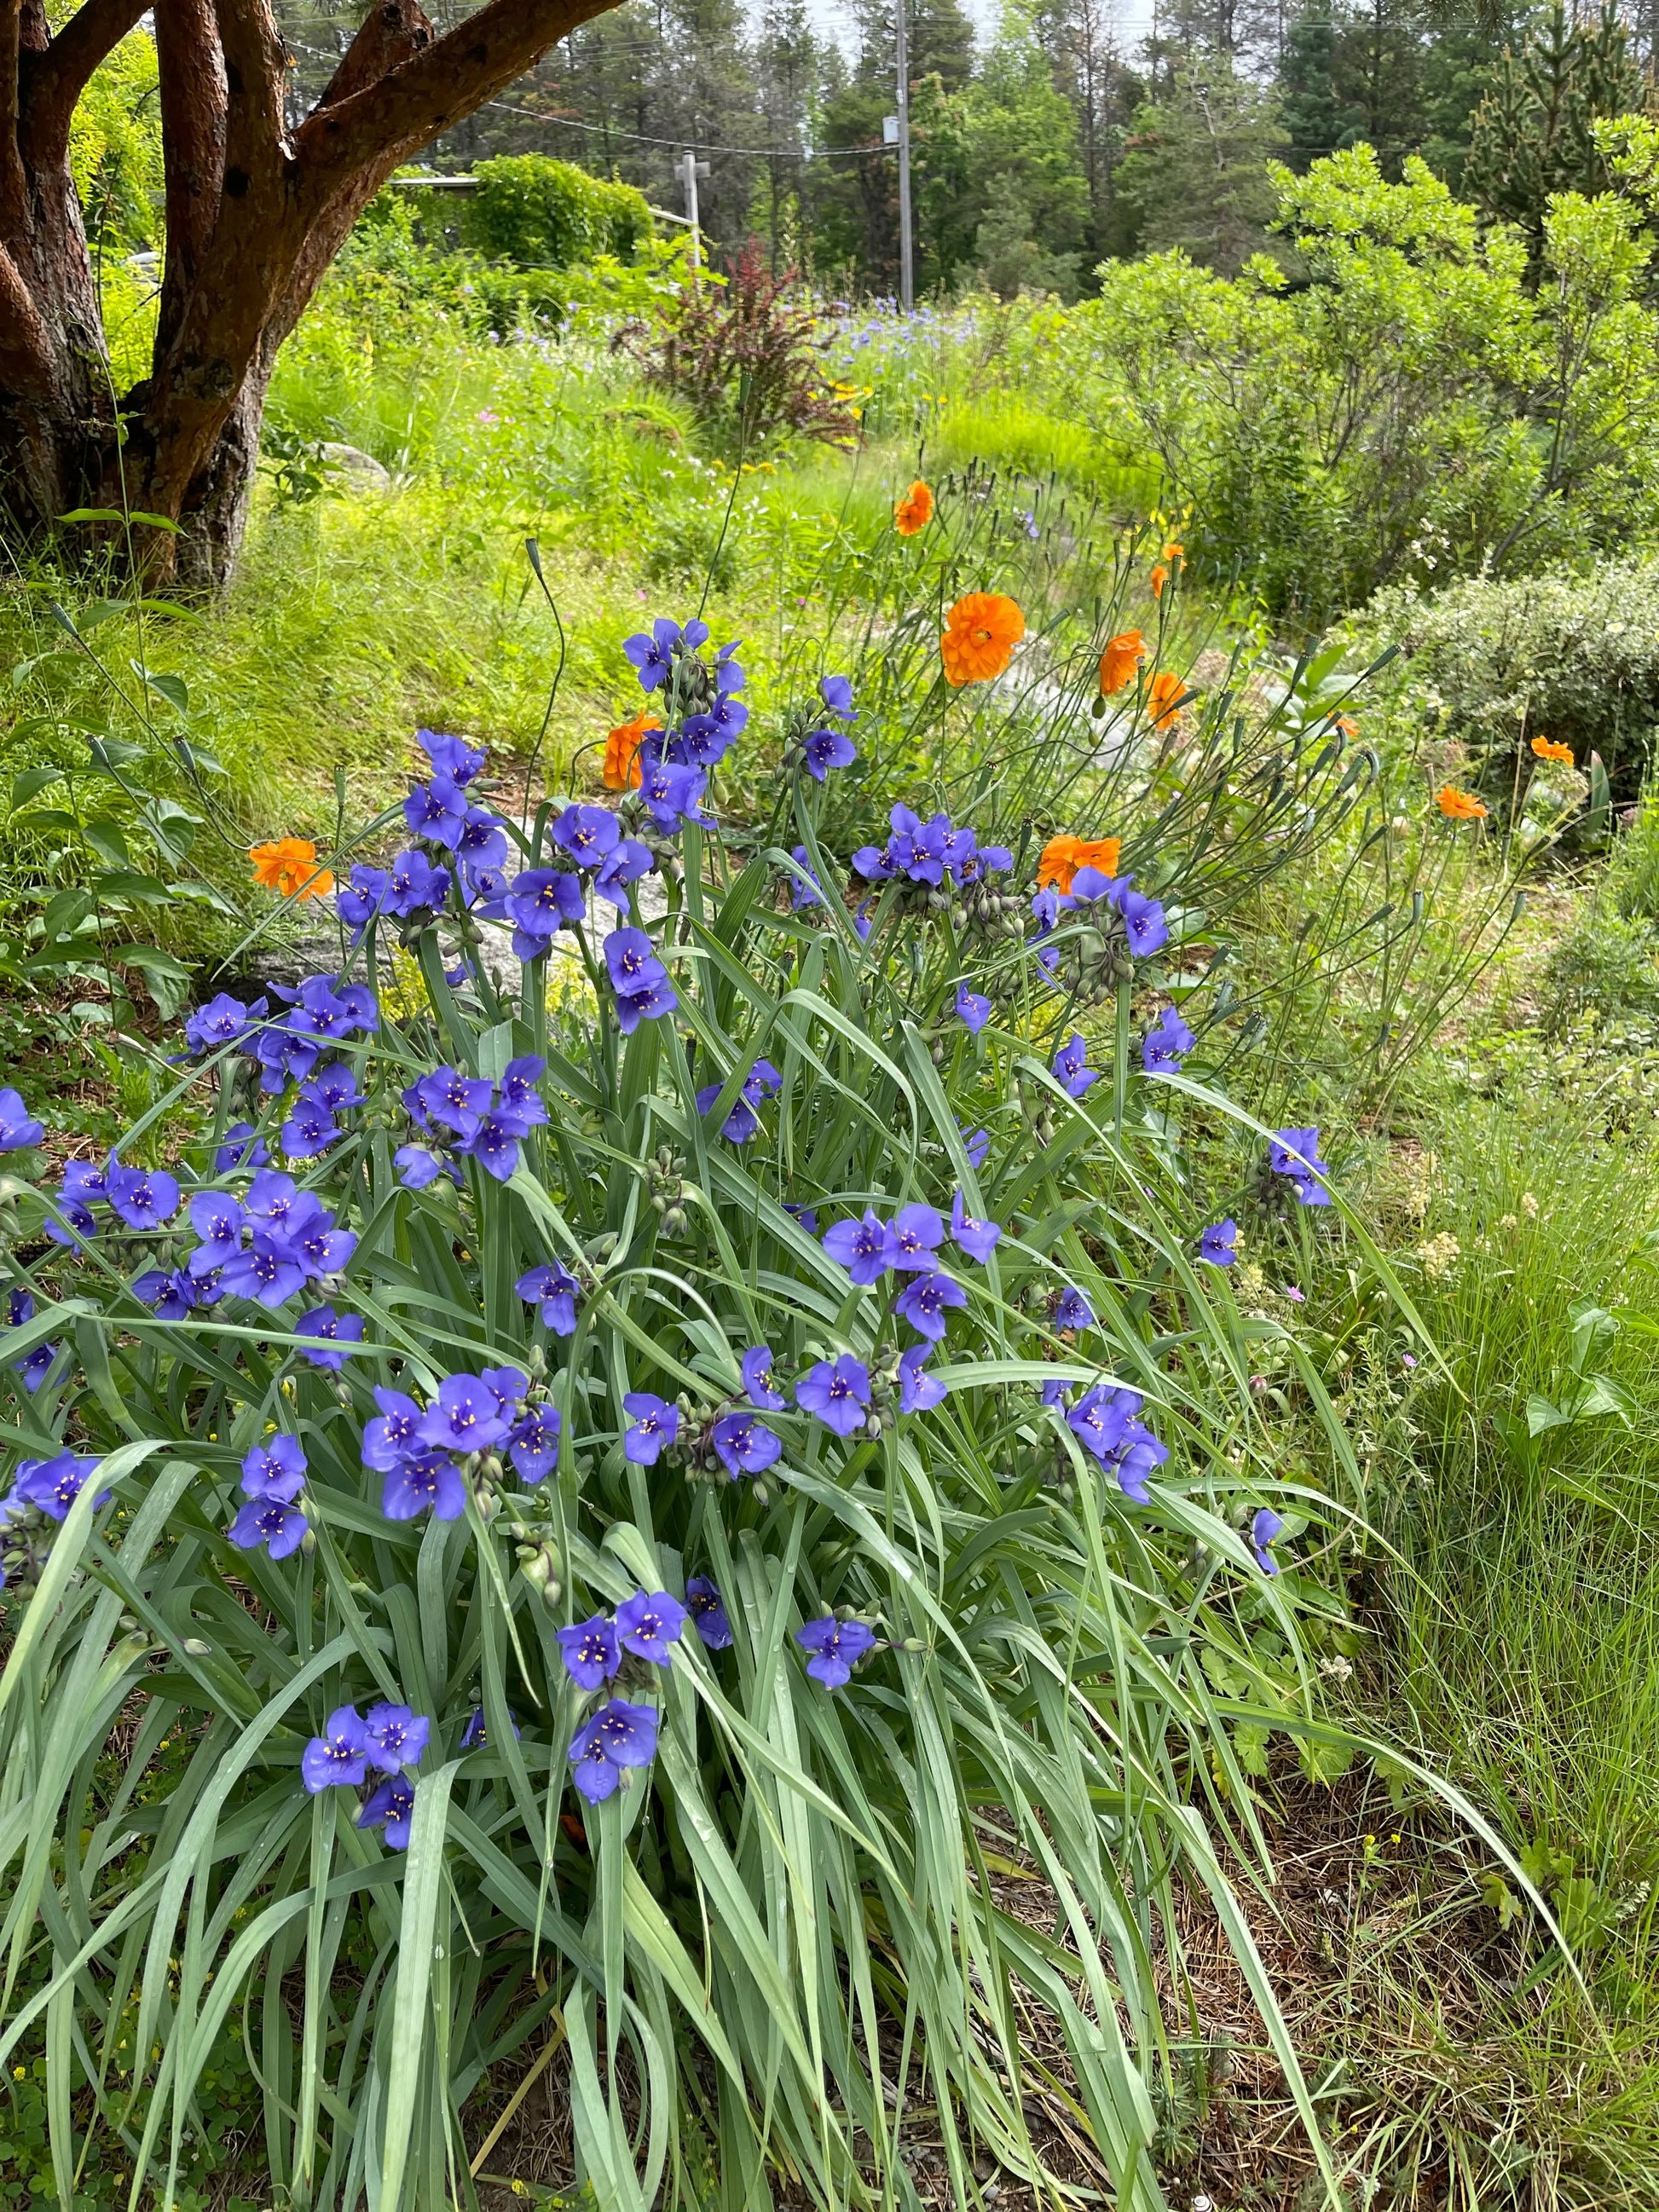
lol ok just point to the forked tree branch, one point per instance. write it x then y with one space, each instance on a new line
388 36
382 124
54 80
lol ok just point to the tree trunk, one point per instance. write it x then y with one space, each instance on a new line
254 215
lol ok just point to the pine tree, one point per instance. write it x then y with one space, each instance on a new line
1194 166
1531 134
790 60
1080 43
1315 118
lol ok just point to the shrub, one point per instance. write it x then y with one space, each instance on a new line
730 1441
746 353
1572 655
1406 409
543 213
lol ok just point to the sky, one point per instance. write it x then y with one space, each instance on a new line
1135 20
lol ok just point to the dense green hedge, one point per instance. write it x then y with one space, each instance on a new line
544 214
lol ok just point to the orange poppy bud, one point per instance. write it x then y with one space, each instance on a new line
290 866
914 511
1547 749
1164 696
1459 805
622 751
1123 655
1063 857
981 633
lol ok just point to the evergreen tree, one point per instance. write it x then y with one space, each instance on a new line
1531 134
791 63
1316 117
1194 166
1078 40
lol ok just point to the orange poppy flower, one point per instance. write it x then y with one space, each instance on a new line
1547 749
1345 726
622 751
1063 857
1160 577
1459 805
980 636
1164 696
1173 550
1123 655
290 866
914 511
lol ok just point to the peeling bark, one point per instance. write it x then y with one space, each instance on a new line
253 217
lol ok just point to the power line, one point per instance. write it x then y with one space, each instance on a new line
697 145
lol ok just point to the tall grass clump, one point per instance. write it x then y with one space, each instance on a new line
725 1435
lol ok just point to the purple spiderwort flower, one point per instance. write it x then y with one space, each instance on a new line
556 1290
397 1736
465 1417
655 1424
861 1246
914 1236
924 1301
756 1367
393 1436
1069 1308
275 1469
53 1485
836 693
220 1021
588 834
590 1652
19 1130
1168 1044
143 1199
1295 1153
708 1614
339 1757
1218 1244
619 1736
978 1239
836 1647
241 1149
1265 1529
976 1143
391 1803
649 1624
1072 1068
450 756
429 1479
746 1445
1101 1418
838 1394
280 1528
918 1390
534 1449
972 1009
329 1327
822 750
741 1124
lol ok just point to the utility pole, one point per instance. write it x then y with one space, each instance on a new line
690 169
907 253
